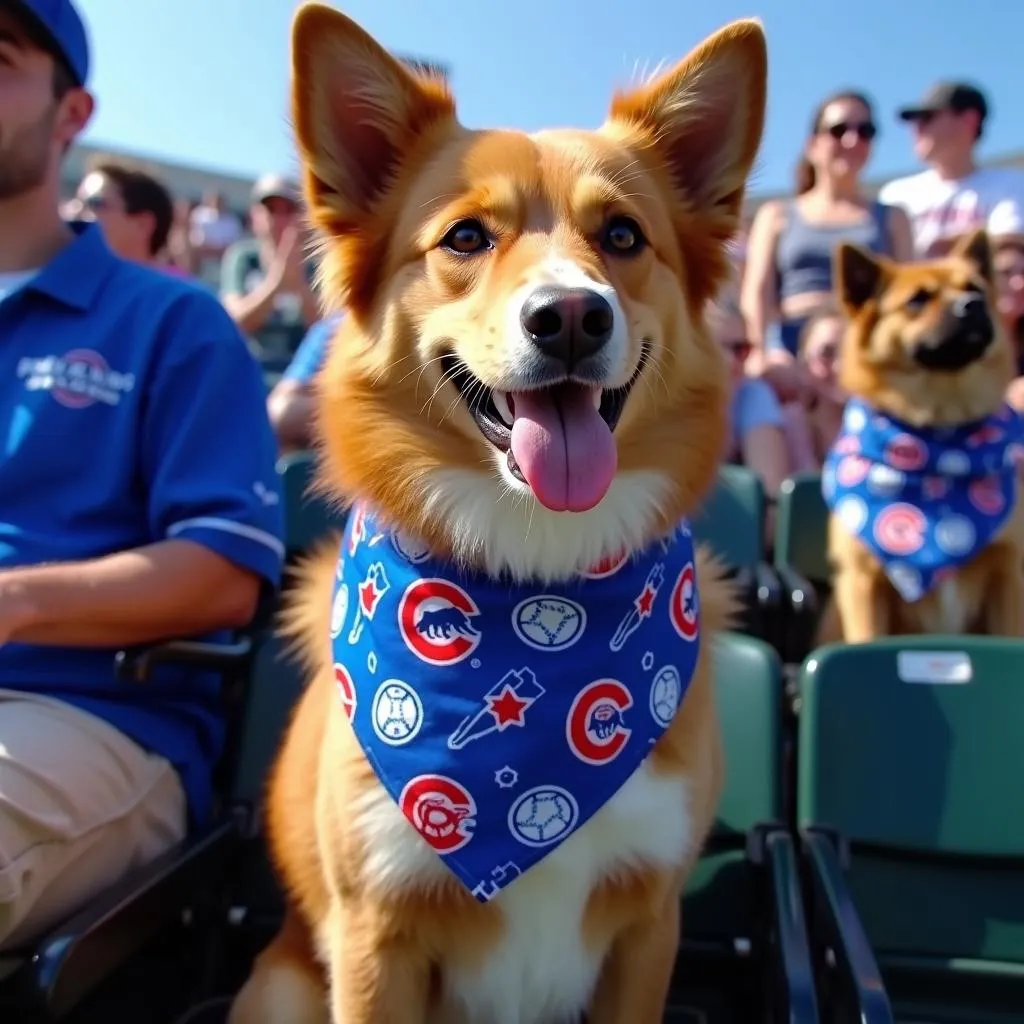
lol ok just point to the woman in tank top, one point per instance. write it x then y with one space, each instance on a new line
788 273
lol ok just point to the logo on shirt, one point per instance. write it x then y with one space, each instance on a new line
78 379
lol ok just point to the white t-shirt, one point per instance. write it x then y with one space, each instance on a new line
939 210
212 228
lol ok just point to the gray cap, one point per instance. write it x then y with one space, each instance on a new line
954 96
271 186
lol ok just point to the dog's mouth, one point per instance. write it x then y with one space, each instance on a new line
557 439
956 351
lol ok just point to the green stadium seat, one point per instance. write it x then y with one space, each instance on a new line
744 947
731 523
309 517
910 767
801 555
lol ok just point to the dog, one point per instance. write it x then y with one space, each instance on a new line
474 816
926 532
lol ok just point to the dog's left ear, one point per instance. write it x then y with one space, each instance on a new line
976 248
859 276
703 119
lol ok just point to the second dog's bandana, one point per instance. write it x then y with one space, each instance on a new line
923 500
501 717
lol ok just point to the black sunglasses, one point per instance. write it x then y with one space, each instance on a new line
864 130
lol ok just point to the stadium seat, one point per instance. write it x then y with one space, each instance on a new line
309 517
50 980
910 768
731 523
801 557
744 947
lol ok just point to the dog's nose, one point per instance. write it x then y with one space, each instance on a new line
567 324
970 306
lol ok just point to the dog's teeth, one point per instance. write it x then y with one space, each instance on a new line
597 396
501 403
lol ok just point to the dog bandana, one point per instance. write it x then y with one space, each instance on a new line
923 500
501 717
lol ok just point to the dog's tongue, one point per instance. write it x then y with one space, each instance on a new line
562 446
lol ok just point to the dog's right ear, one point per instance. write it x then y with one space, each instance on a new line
859 276
357 111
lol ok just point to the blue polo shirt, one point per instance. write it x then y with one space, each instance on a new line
310 355
134 413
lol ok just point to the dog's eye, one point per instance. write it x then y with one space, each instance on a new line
622 236
466 238
919 300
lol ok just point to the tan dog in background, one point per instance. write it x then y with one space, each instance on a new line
436 239
924 350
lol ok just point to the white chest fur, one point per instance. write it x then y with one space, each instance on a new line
541 972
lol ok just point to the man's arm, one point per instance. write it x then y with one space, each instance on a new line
174 588
292 406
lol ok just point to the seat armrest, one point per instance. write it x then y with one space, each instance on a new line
769 600
836 915
69 962
135 664
801 601
794 968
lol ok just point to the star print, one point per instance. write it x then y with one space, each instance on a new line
368 595
507 708
645 601
506 777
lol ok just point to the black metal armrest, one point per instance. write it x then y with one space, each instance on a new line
835 910
761 597
801 601
771 848
794 969
135 664
67 964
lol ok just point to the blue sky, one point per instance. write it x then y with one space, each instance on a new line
206 81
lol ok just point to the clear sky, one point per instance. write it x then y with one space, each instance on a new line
206 81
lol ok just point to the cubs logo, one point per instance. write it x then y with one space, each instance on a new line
441 810
986 495
906 452
852 469
683 608
357 528
411 548
435 618
900 528
595 727
608 566
346 690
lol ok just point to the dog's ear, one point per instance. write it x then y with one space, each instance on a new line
703 120
976 248
859 276
357 111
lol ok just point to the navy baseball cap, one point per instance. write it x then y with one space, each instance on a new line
62 26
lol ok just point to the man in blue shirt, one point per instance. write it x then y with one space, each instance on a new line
291 402
138 501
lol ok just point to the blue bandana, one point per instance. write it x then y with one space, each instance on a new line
499 717
923 500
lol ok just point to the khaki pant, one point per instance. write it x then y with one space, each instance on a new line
80 804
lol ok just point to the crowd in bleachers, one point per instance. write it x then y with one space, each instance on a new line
141 499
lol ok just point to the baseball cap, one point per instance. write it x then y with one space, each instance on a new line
271 186
62 25
954 96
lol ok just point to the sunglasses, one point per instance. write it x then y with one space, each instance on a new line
96 204
864 130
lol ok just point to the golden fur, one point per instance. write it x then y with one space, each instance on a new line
892 308
388 169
